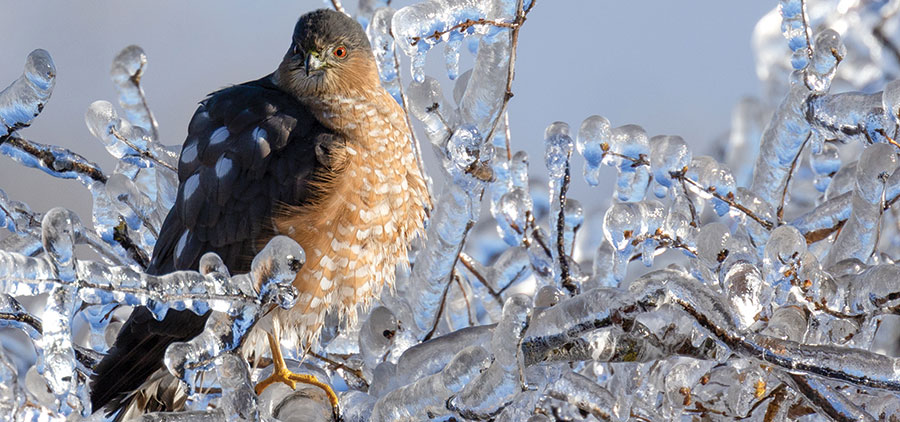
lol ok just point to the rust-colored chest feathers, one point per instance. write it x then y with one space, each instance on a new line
372 204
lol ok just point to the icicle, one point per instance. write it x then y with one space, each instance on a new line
376 335
592 135
712 177
789 129
487 393
427 397
413 26
379 33
273 269
628 148
824 165
25 98
668 155
427 104
239 401
127 70
858 237
558 151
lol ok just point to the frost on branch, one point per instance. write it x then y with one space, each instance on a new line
776 301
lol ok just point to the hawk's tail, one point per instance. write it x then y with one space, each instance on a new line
137 353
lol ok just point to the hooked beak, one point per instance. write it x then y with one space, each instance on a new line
313 63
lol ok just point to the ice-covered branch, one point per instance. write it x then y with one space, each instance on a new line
779 303
69 281
24 99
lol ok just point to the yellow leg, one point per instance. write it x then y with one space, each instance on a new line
282 374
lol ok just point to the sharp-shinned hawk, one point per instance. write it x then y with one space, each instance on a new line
317 151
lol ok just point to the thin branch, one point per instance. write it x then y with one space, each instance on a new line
143 152
780 212
726 199
817 235
695 221
337 365
665 242
469 263
337 6
35 324
417 148
440 312
437 318
120 236
806 30
635 162
44 154
521 16
462 27
565 277
469 310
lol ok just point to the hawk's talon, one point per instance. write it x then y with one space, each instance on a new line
282 374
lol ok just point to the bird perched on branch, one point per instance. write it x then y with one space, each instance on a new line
317 151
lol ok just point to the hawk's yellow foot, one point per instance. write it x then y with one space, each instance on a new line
282 374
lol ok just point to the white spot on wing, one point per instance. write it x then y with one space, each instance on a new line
189 153
179 247
223 166
218 136
259 134
191 185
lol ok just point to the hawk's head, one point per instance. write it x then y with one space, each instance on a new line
329 54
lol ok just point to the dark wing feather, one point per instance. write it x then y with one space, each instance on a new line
249 147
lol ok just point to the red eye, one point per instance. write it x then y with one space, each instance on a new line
340 52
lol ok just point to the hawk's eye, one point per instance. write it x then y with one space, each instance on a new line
340 52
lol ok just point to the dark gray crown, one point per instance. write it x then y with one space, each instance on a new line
324 27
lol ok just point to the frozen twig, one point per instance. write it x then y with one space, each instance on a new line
521 16
55 161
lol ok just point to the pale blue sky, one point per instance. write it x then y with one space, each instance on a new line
672 67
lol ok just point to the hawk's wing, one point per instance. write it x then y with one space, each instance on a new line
249 148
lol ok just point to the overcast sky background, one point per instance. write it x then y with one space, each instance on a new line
671 67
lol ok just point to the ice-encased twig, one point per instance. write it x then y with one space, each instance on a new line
239 401
572 318
414 24
850 116
69 281
789 129
127 70
127 142
828 400
858 237
53 160
427 397
585 394
558 151
25 98
486 394
458 210
427 358
856 366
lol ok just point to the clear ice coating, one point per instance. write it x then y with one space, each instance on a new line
592 134
127 70
24 99
778 302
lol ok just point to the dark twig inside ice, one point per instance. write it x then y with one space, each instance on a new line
55 163
779 212
521 16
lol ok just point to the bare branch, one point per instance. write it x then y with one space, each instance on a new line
337 6
787 182
55 164
729 199
521 16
